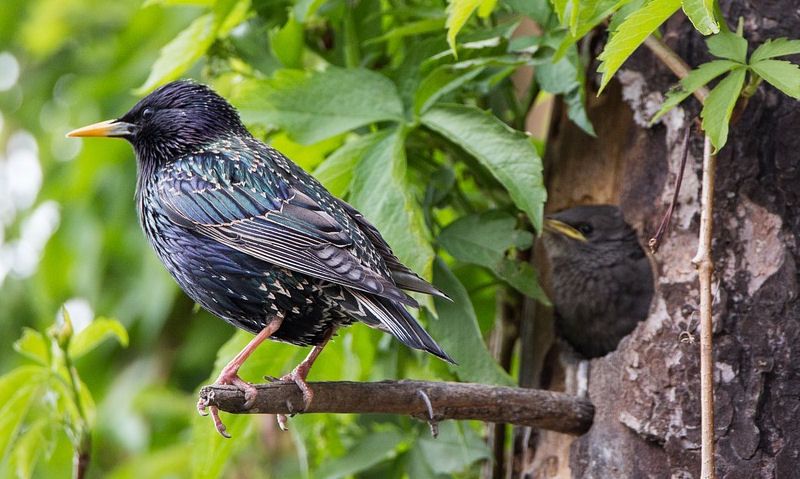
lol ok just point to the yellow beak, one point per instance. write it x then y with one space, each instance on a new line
560 227
109 128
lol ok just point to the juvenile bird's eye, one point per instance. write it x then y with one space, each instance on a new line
585 229
147 113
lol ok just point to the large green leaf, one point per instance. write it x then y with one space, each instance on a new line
484 238
631 33
694 80
192 43
367 452
380 191
775 48
719 105
783 75
336 172
456 330
95 333
566 76
506 153
455 449
728 45
312 107
701 13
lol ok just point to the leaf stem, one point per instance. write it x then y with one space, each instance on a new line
675 63
83 446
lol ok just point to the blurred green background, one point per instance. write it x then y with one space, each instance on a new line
70 236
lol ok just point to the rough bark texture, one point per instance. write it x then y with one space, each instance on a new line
646 394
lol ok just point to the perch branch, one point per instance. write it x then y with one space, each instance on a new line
675 63
526 407
705 268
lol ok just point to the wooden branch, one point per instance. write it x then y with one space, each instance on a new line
675 63
705 269
526 407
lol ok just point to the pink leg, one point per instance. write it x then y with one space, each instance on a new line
230 374
300 373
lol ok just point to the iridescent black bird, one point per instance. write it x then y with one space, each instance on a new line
253 238
601 277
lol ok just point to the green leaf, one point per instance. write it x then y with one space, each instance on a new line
783 75
336 172
589 16
522 277
775 48
566 76
701 13
456 448
380 191
441 81
200 3
33 345
191 44
19 389
457 331
312 107
483 239
287 43
28 448
694 80
631 33
182 52
367 452
459 11
506 153
719 105
728 45
97 331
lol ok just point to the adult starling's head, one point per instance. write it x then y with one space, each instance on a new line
587 229
175 119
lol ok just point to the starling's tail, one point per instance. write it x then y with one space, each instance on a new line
393 318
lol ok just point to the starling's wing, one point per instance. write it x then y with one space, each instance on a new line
402 275
252 207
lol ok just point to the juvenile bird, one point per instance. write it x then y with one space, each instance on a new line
253 238
601 278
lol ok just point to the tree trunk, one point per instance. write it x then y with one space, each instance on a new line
646 393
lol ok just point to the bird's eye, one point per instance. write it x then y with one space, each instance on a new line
147 113
585 229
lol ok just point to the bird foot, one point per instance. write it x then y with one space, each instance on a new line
298 376
228 376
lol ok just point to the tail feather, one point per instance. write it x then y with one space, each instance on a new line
393 318
408 280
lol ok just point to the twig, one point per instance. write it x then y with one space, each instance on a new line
671 60
528 407
655 242
705 268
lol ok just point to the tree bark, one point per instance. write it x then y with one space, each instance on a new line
646 394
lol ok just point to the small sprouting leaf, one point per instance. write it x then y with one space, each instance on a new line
728 45
34 346
506 153
28 448
631 33
701 14
719 105
694 80
312 107
18 390
775 48
95 333
783 75
457 331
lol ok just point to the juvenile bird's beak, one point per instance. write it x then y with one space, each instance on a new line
109 128
560 227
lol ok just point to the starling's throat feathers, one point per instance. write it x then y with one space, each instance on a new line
251 236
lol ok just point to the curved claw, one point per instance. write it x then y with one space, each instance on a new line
218 424
297 377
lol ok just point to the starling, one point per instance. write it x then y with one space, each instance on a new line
600 276
253 238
